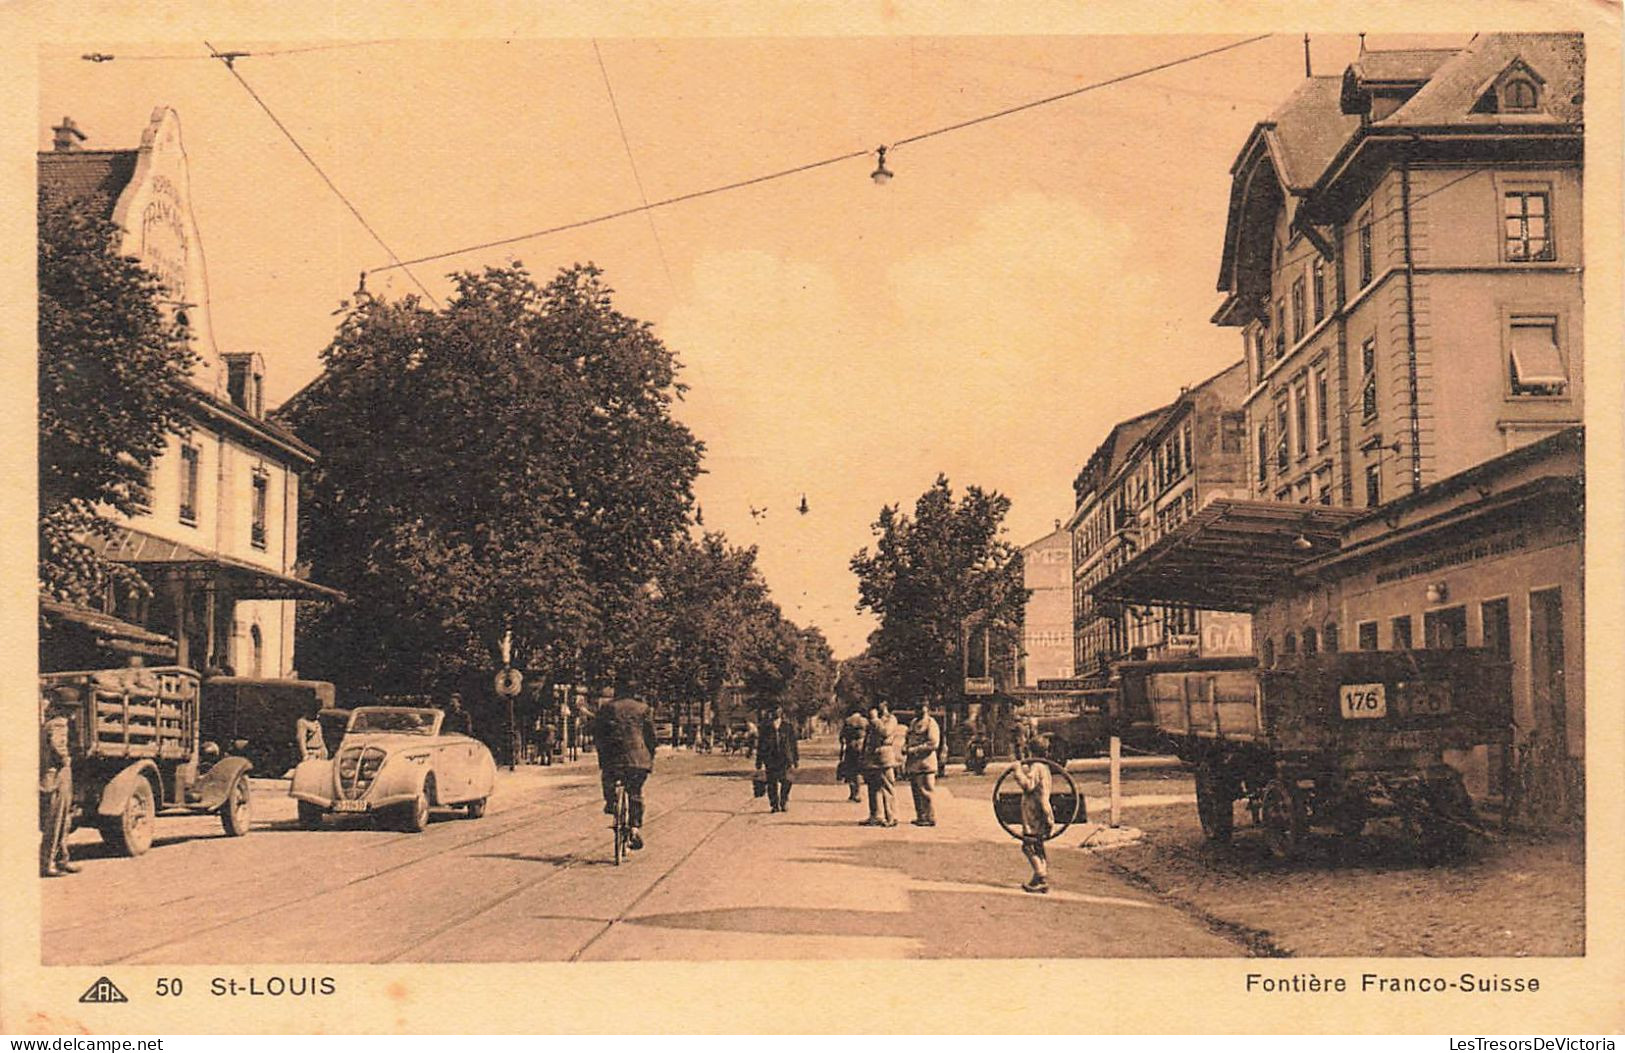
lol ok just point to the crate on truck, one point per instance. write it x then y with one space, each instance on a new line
135 738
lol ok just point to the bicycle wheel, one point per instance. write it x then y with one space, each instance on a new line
623 822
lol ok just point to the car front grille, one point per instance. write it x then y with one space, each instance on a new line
358 767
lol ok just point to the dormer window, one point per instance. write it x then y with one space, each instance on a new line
1519 95
1516 90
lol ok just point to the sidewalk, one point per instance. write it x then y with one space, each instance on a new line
813 883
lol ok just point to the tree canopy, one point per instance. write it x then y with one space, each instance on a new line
711 622
928 577
505 467
114 385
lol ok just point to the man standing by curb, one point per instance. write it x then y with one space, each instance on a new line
55 787
920 764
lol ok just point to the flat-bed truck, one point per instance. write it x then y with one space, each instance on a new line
1331 740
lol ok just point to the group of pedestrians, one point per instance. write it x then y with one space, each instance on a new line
876 747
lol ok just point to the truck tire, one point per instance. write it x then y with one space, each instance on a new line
1214 805
1443 830
234 813
1285 819
310 816
130 832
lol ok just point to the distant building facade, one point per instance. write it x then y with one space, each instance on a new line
218 539
1046 632
1151 474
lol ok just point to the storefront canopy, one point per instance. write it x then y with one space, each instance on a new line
1230 556
104 631
174 559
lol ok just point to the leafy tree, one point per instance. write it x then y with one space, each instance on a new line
860 683
506 468
113 387
812 685
926 578
711 622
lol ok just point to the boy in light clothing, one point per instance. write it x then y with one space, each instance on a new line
1037 816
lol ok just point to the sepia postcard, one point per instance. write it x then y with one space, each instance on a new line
850 518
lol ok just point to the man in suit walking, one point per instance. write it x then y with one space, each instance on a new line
623 732
776 753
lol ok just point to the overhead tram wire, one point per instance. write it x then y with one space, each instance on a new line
100 56
959 125
869 152
231 68
633 164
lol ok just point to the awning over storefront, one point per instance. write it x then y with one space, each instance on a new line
1231 555
247 582
105 631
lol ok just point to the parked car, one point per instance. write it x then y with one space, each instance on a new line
394 761
137 749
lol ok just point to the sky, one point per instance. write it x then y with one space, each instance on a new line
1018 287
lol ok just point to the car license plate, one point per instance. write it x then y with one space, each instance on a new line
1363 701
349 806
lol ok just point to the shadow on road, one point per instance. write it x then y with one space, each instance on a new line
556 861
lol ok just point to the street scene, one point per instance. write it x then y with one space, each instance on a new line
662 517
721 877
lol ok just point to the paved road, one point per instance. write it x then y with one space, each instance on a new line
720 878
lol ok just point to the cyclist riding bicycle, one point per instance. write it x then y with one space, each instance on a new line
623 731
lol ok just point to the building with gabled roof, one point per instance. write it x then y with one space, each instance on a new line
218 539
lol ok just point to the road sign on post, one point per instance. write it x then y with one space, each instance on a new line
978 685
508 681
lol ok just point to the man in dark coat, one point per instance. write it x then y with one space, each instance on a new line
776 753
623 732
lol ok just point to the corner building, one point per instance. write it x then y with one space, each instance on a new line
1403 261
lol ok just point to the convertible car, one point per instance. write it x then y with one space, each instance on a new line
395 761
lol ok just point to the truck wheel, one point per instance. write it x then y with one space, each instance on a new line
310 816
130 832
234 813
1214 805
1285 822
1442 830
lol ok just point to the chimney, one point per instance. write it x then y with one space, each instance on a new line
68 136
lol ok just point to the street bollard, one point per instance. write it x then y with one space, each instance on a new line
1116 764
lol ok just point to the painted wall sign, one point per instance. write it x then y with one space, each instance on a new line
1492 546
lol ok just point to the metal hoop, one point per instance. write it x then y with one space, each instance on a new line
1061 822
